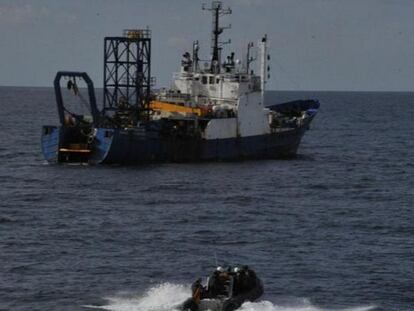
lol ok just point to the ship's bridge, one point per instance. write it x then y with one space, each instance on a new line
217 88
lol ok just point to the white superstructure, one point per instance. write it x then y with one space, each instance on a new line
229 90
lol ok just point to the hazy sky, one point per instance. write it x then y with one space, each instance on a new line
315 44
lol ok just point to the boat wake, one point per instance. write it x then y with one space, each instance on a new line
167 297
163 297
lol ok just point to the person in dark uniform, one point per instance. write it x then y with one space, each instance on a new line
217 282
213 286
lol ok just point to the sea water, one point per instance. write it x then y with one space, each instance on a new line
332 229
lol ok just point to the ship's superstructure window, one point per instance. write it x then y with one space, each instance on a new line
204 79
211 80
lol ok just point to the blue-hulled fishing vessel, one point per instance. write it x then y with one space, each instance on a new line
214 110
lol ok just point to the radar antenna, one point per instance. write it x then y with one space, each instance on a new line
216 46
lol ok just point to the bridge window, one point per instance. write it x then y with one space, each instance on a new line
204 79
211 80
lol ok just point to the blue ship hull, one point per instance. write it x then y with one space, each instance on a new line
128 148
145 145
115 146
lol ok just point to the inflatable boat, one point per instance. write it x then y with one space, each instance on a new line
225 290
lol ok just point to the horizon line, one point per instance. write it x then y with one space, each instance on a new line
273 90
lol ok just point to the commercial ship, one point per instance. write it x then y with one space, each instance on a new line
214 110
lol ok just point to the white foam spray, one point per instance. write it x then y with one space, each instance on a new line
168 297
163 297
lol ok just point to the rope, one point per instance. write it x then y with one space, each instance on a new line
74 87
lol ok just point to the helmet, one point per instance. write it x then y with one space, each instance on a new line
220 269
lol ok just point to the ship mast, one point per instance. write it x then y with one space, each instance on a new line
216 46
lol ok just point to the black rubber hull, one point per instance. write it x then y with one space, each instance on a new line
229 304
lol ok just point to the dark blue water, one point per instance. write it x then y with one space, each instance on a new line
330 230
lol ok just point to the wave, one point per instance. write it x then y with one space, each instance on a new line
168 297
